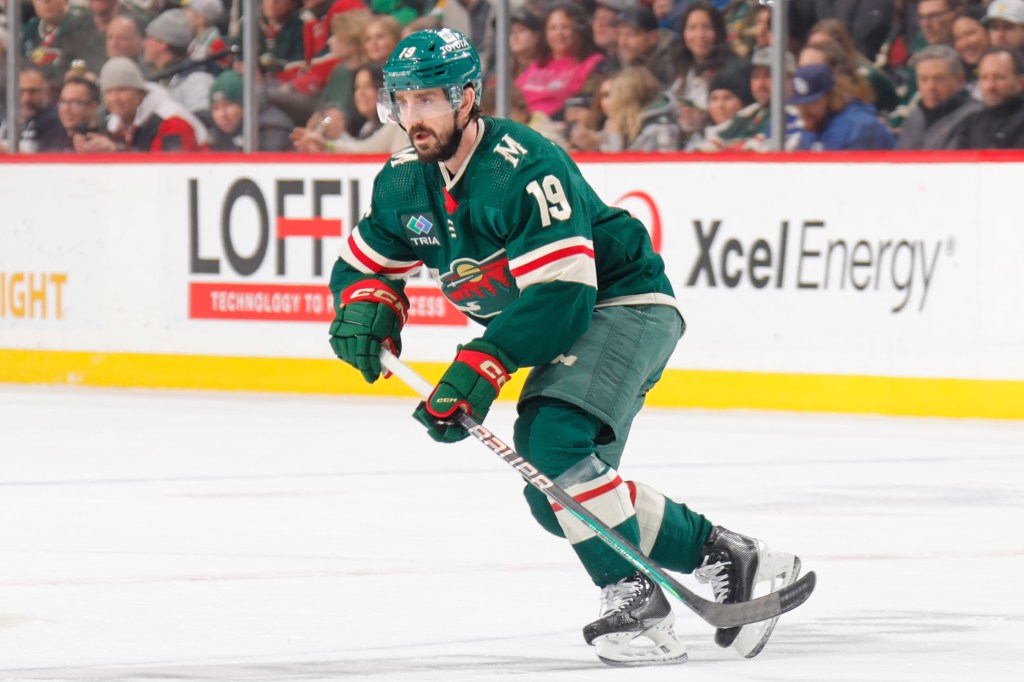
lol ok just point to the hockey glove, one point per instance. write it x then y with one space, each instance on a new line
471 384
369 314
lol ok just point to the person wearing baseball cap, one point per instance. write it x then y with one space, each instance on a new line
605 28
833 119
1005 22
749 129
166 48
642 43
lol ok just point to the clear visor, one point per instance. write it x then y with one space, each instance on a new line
411 106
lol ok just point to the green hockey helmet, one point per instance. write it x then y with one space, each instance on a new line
441 58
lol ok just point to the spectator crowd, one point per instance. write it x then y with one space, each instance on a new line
591 75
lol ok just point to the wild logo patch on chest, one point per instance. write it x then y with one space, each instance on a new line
482 288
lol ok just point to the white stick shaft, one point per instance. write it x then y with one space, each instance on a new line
405 373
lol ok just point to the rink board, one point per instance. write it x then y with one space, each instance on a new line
902 297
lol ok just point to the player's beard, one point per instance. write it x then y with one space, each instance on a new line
443 148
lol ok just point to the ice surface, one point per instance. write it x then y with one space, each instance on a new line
186 536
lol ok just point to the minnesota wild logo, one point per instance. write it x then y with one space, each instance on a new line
480 288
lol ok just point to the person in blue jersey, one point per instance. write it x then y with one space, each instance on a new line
833 119
562 283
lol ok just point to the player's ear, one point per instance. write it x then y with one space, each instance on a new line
468 102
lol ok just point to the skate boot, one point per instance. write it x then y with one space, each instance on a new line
734 565
632 608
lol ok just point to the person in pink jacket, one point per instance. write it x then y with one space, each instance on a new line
568 58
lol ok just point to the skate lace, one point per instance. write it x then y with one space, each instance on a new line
617 596
717 574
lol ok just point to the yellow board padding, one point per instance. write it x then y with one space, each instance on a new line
907 396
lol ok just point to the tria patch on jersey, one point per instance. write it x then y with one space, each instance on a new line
480 288
421 224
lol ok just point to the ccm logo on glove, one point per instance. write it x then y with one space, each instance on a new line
376 294
369 316
471 383
486 366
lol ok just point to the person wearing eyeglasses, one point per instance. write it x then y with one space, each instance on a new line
78 107
935 23
935 20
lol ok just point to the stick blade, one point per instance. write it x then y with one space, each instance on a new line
762 608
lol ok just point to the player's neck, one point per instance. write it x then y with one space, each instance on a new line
466 146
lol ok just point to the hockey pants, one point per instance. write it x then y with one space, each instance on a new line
574 419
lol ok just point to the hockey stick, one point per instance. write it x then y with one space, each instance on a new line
719 615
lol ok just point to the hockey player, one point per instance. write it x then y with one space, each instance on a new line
519 242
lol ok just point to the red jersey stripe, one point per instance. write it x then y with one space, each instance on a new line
591 494
373 265
551 257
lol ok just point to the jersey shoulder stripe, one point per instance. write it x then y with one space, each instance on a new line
361 256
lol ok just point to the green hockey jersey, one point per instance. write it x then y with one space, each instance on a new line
516 239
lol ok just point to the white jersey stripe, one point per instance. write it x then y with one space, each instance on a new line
541 252
650 512
566 260
362 257
576 268
611 505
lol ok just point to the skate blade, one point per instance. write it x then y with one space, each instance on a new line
780 569
618 649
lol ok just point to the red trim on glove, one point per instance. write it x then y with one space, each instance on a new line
458 404
374 291
487 366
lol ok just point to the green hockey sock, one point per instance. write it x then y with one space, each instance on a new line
670 533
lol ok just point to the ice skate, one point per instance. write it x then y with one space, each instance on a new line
631 609
735 565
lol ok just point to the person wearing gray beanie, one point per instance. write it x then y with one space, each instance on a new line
121 72
165 48
143 117
171 27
